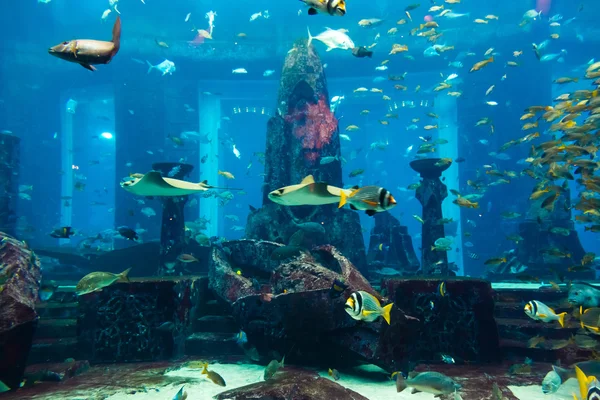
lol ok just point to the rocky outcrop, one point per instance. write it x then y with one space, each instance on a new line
291 384
20 277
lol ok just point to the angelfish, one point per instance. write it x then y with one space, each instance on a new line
331 7
87 52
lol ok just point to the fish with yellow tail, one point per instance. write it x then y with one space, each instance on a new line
363 306
589 387
331 7
482 64
88 53
541 312
213 376
96 281
371 199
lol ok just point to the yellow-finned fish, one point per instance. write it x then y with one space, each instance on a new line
541 312
97 281
363 306
589 387
371 199
213 376
331 7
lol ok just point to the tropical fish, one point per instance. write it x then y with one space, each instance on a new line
372 199
331 7
541 312
213 376
363 306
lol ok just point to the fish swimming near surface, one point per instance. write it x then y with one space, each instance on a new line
87 52
331 7
363 306
427 382
541 312
371 199
306 193
584 294
97 281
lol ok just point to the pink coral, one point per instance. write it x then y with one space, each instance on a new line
315 125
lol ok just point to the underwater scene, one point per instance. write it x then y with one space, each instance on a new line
300 199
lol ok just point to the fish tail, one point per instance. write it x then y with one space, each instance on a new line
343 199
116 37
561 319
150 66
310 38
491 59
400 383
386 312
205 368
123 276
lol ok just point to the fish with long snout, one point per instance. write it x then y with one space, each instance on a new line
87 52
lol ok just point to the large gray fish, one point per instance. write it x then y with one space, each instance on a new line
306 193
584 294
427 382
88 53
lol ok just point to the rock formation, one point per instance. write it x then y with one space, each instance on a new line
302 133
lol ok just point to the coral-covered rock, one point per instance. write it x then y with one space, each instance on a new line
292 384
21 275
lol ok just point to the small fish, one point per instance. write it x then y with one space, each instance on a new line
181 395
213 376
187 258
441 289
239 71
334 374
127 233
166 67
363 306
427 382
541 312
447 359
226 174
272 368
62 233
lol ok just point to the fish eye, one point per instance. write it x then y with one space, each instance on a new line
65 43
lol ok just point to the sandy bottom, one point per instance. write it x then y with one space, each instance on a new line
236 375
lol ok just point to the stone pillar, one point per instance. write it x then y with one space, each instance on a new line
430 194
172 234
9 181
67 111
209 112
445 108
139 134
301 133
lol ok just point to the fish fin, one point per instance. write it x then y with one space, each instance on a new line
123 276
307 180
564 373
352 207
542 315
116 37
583 382
312 11
386 312
150 66
205 369
561 319
343 199
366 313
88 66
400 383
415 391
370 213
330 48
310 38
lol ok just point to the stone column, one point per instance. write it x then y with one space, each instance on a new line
445 108
67 111
430 194
9 181
172 233
209 112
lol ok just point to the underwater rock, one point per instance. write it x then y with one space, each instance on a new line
20 277
391 246
292 383
466 311
302 132
126 322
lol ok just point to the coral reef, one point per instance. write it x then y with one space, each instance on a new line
20 275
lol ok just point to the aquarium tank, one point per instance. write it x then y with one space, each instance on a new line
300 199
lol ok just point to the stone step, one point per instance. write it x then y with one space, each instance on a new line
52 350
56 328
51 310
210 344
216 323
214 307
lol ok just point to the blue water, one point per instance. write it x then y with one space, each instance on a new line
35 88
